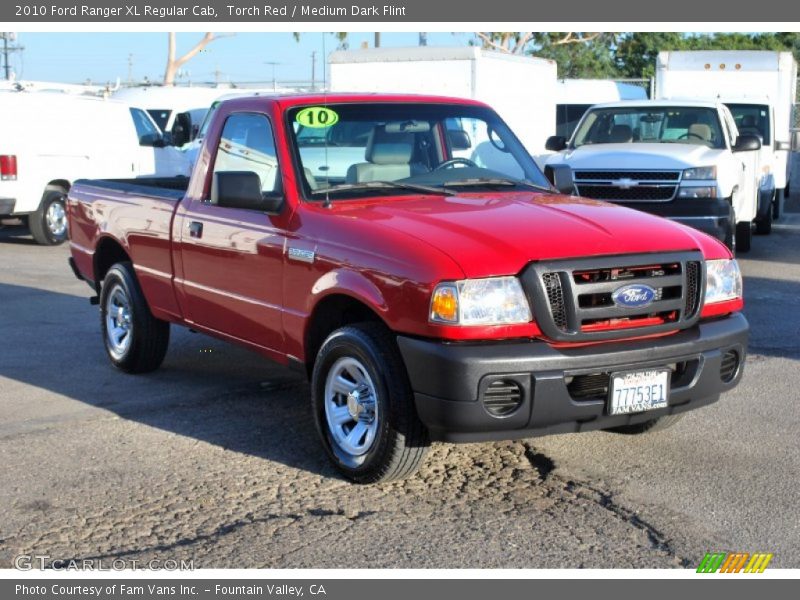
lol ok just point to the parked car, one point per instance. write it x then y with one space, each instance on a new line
425 296
51 139
759 88
681 159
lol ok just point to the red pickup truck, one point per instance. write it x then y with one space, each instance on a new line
406 253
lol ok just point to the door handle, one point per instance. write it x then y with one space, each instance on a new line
195 229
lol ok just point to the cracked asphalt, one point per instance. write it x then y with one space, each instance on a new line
214 459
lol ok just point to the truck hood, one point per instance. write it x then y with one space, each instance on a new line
498 234
639 156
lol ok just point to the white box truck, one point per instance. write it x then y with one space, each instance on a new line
759 88
520 88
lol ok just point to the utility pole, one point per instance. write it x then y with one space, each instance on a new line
273 63
130 69
377 39
9 49
313 70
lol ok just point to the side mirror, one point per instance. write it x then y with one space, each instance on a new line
747 143
556 143
242 189
152 140
561 178
459 139
783 146
179 137
795 143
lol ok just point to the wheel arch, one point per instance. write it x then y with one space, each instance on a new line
332 311
108 252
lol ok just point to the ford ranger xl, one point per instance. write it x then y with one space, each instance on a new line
439 288
681 159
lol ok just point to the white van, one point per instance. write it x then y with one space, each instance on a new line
51 139
760 89
178 111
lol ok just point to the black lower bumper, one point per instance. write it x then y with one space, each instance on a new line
449 380
711 216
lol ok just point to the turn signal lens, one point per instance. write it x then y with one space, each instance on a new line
444 304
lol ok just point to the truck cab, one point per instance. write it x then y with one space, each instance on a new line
681 159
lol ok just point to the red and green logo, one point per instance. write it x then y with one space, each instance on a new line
734 562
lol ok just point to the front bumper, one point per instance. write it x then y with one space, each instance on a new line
711 216
448 380
7 206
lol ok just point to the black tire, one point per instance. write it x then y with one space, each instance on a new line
48 225
764 225
651 426
399 439
744 236
147 338
777 206
730 236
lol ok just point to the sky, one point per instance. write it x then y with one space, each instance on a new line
104 57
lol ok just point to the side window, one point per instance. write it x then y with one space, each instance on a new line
146 130
247 145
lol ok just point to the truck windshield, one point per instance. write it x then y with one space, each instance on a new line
752 119
350 150
651 124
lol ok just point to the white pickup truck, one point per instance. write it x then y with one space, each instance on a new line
684 160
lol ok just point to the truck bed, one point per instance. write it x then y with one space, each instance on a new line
167 188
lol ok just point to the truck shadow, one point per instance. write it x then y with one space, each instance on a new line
12 232
206 389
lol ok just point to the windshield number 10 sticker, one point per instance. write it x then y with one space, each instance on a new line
317 116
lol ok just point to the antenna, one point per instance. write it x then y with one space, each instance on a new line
327 203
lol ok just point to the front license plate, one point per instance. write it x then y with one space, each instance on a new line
638 391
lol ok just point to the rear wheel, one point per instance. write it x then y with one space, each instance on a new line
744 236
135 341
364 407
651 426
48 225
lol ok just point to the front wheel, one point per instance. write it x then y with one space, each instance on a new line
48 225
363 406
135 341
764 225
744 236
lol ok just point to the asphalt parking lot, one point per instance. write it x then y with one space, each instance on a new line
214 459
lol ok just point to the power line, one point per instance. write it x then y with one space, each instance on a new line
9 49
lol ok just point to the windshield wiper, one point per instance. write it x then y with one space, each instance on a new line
384 185
490 181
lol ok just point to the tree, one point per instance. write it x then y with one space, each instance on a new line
577 54
174 64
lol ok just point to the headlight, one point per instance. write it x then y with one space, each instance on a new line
697 192
492 301
700 173
723 280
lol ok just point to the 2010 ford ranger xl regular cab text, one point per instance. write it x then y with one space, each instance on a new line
439 288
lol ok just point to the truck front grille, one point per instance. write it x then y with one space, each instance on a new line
574 300
628 186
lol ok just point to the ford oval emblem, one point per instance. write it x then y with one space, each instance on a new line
634 296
